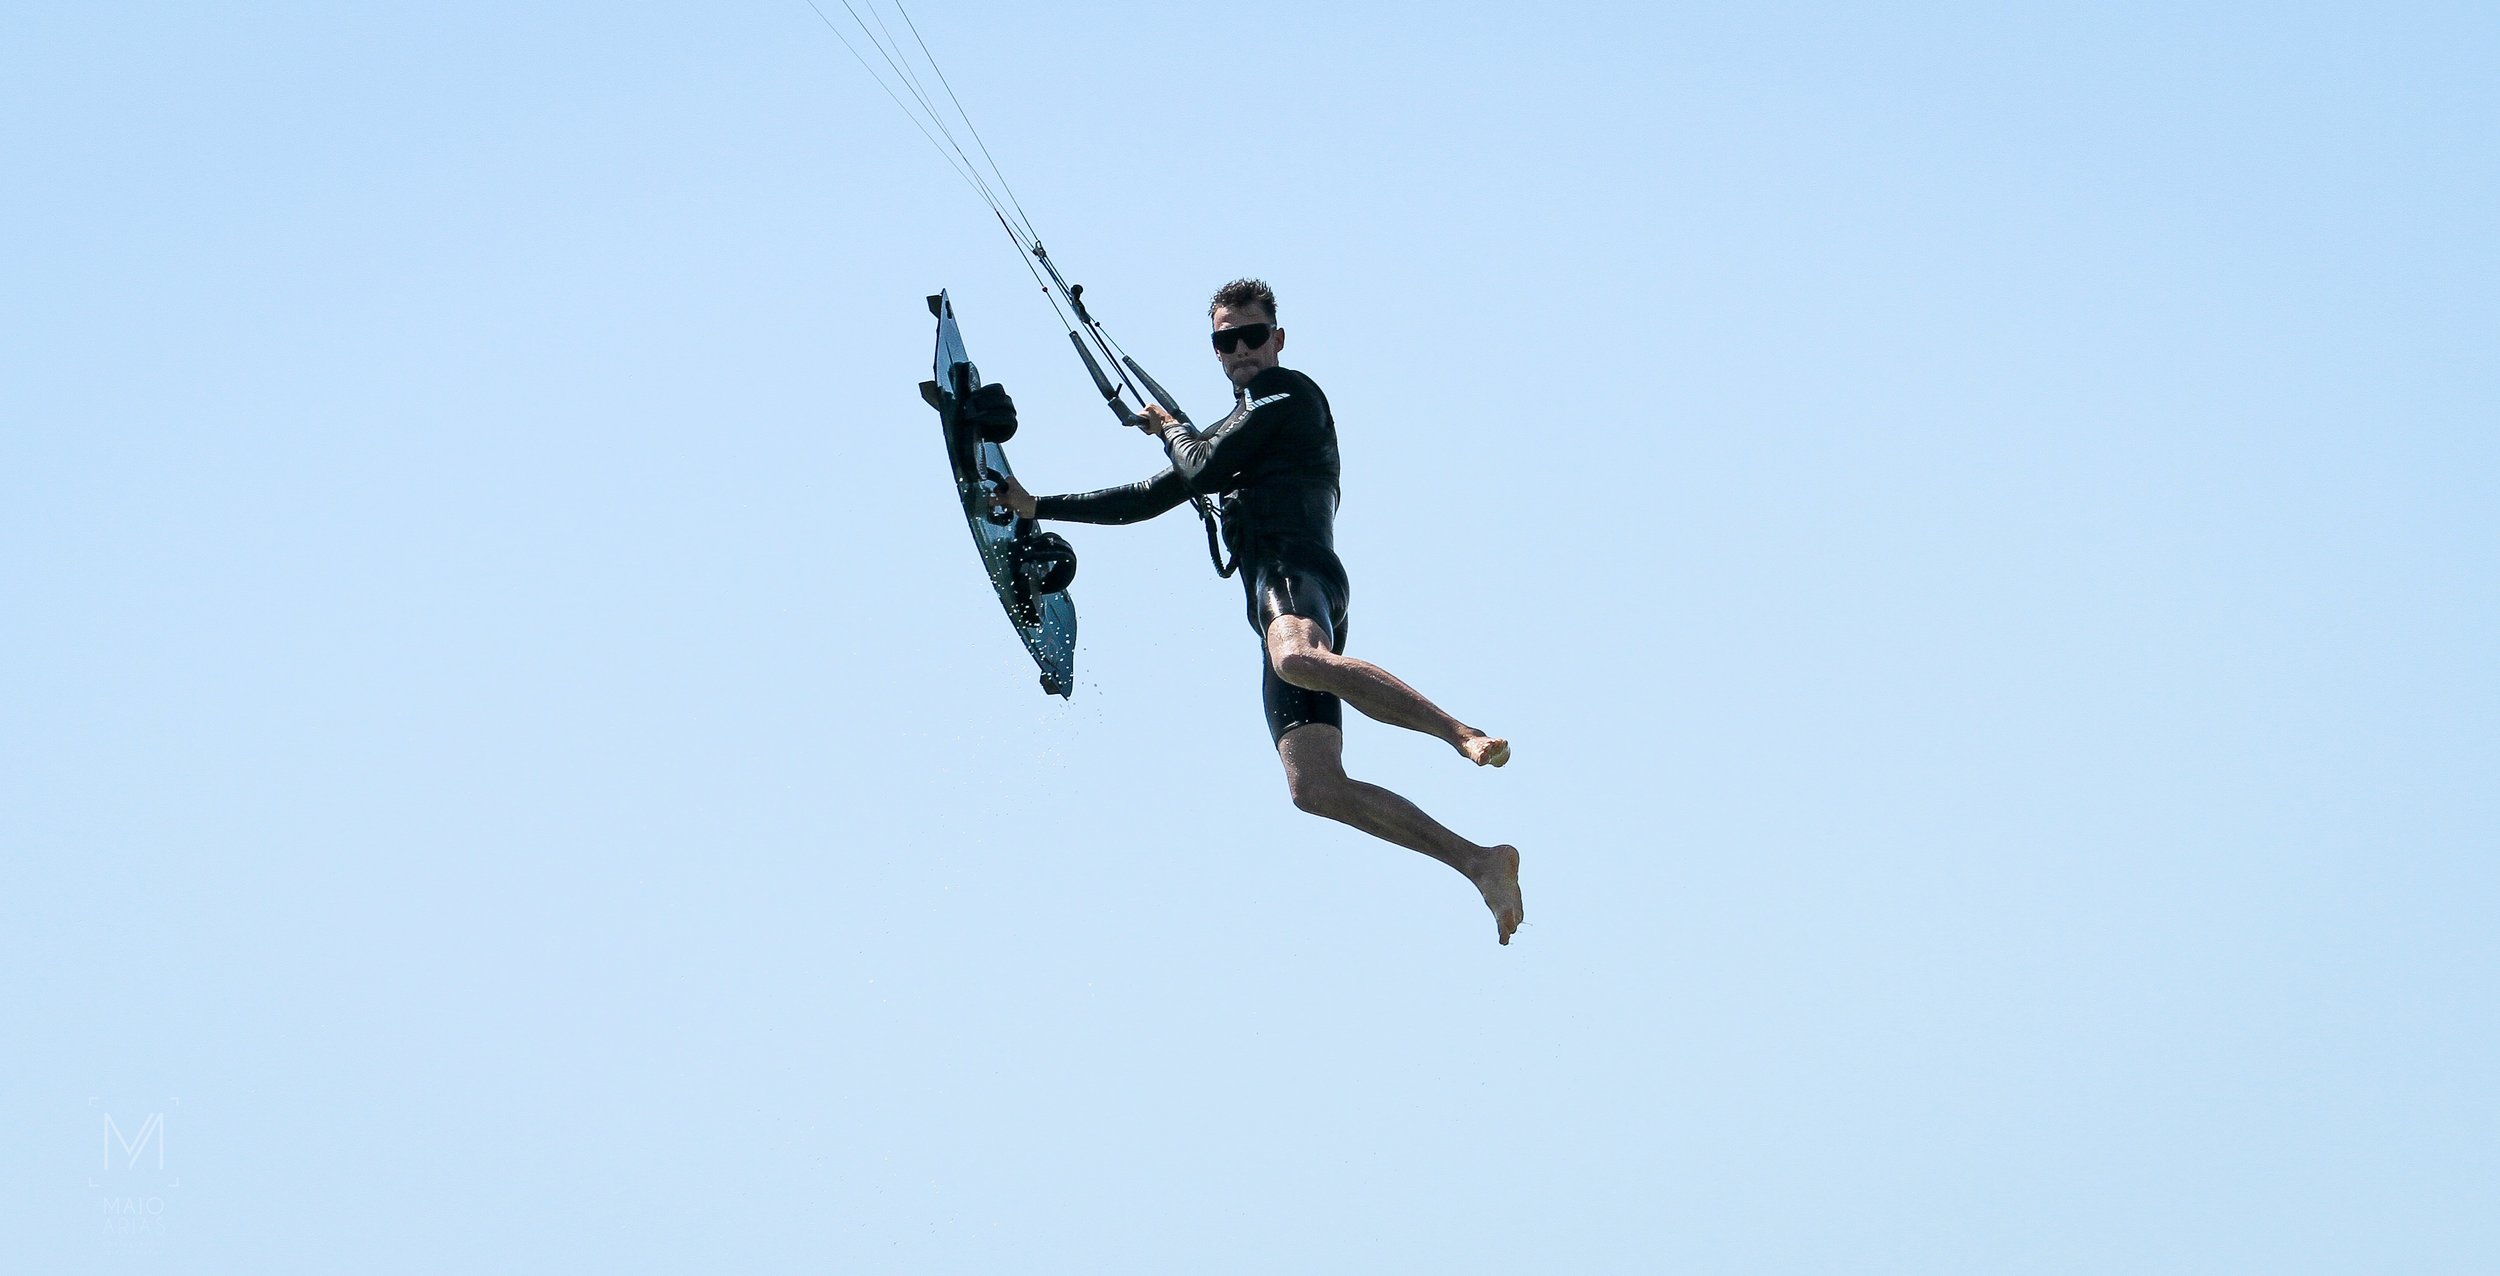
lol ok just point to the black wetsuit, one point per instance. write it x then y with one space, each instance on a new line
1274 463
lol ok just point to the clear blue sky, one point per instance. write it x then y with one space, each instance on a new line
1980 521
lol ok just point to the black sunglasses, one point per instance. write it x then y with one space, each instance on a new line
1252 335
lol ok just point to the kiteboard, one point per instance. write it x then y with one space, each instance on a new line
1030 568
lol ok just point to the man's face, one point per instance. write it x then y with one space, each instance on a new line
1247 361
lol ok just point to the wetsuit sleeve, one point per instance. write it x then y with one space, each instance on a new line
1128 503
1213 460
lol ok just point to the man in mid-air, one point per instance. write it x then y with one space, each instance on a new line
1273 462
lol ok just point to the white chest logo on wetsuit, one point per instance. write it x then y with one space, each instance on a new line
1241 413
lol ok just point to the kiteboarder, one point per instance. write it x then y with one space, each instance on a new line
1273 463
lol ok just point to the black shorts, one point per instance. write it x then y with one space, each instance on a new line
1282 589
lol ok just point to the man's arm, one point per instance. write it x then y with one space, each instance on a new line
1212 460
1127 503
993 414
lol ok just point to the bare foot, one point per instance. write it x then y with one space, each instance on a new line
1497 879
1485 750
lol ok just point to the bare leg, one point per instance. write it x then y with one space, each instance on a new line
1300 656
1314 758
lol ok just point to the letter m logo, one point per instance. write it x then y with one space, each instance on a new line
153 1131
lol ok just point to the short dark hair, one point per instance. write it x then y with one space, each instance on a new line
1244 292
